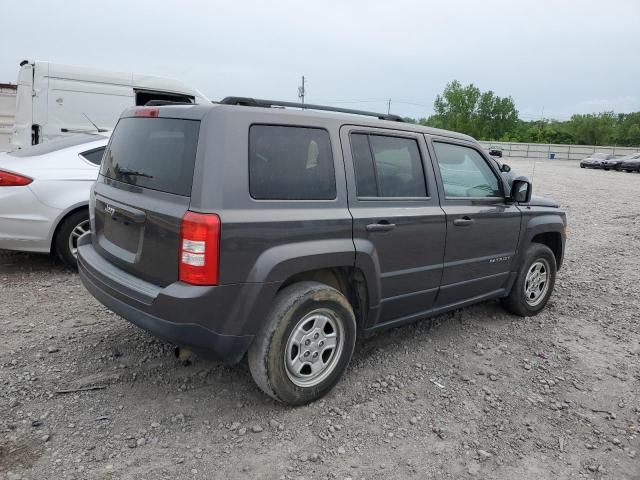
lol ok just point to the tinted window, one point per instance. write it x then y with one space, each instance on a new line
94 156
465 173
387 166
156 153
363 164
290 163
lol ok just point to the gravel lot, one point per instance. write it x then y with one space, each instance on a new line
475 393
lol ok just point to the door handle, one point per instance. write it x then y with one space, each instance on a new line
463 222
382 226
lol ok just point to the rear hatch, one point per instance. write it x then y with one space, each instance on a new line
142 193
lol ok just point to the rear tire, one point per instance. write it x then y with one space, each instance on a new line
66 239
290 359
534 285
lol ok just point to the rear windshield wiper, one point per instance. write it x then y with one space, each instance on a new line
131 173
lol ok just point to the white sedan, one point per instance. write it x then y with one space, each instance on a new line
44 194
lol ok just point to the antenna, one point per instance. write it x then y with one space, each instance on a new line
98 129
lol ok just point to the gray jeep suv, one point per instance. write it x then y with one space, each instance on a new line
245 227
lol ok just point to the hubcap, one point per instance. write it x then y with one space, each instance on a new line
314 348
536 282
79 230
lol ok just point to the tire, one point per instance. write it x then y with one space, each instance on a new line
525 304
284 333
581 166
67 234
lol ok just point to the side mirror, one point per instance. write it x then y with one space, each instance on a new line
505 168
521 190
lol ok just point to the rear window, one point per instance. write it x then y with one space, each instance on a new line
155 153
290 163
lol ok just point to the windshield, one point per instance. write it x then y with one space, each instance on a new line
55 145
155 153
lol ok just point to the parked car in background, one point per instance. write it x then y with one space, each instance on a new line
496 150
630 163
44 194
243 227
595 160
611 163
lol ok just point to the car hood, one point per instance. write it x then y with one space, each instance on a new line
537 201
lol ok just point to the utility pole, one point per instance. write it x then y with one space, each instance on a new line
301 91
388 106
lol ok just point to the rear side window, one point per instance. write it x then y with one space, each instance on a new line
94 156
387 166
290 163
155 153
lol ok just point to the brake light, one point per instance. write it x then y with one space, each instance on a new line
147 112
8 179
199 248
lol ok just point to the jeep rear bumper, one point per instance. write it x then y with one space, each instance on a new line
182 314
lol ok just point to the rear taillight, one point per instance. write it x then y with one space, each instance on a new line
8 179
147 112
199 248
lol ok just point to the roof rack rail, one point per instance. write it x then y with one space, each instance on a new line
160 103
256 102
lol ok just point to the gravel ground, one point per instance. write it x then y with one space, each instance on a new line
474 393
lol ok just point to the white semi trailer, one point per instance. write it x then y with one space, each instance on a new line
53 100
7 113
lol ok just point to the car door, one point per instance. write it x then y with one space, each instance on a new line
482 226
397 220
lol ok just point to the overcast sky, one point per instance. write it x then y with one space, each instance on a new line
560 57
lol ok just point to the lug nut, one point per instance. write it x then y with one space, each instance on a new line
306 354
307 342
316 335
321 343
315 355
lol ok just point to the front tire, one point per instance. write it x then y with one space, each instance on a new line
66 240
534 285
305 344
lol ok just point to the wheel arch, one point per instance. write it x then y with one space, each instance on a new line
59 221
553 240
348 280
546 229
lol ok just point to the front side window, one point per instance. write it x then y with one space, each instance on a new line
465 173
94 156
290 163
387 166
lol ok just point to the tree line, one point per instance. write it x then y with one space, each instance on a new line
487 116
